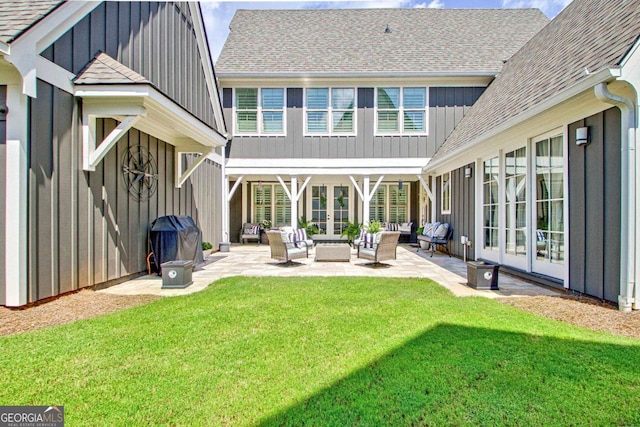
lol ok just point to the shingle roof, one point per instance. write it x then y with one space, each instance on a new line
591 34
355 41
103 69
17 16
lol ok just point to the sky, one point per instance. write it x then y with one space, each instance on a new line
217 14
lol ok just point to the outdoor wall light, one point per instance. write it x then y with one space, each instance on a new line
400 184
582 136
467 172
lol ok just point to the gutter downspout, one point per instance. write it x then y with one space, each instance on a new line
627 194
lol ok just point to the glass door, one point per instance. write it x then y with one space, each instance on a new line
548 244
330 209
515 209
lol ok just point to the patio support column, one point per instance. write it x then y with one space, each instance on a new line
366 193
228 195
294 201
16 197
430 195
294 195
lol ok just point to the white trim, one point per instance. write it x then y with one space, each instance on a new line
401 110
259 111
92 153
234 188
368 75
16 198
606 74
54 74
444 186
181 177
337 163
166 120
330 110
209 72
25 50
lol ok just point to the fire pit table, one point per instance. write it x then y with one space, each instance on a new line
333 252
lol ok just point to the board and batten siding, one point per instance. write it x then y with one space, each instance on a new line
84 229
447 106
3 178
594 207
155 39
463 209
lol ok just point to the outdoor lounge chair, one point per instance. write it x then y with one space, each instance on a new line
250 232
283 250
384 250
436 240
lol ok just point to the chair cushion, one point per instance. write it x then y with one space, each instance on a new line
429 228
392 226
369 240
253 229
441 231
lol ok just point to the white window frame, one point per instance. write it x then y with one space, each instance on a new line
387 199
330 110
260 110
401 111
272 206
443 187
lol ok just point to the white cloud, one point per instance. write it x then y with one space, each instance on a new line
550 7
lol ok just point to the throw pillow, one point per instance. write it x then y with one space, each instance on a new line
441 231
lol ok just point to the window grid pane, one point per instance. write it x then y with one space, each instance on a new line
490 204
516 202
550 201
262 202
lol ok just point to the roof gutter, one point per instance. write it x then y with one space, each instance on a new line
583 85
5 48
627 194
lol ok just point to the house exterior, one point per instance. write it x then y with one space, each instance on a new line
551 148
333 114
110 117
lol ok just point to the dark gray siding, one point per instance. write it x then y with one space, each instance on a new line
594 207
154 39
462 217
84 229
447 106
235 214
3 159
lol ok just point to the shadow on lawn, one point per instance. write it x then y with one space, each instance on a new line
455 375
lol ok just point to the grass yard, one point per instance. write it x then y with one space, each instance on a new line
324 352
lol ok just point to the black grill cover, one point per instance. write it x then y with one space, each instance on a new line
175 238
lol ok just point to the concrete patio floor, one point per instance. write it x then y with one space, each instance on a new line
254 260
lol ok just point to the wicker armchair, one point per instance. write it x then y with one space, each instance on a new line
283 250
384 250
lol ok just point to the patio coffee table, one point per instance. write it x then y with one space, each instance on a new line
333 252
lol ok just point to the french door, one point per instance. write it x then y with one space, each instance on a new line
331 209
523 209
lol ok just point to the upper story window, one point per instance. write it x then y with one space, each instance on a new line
401 110
330 111
259 111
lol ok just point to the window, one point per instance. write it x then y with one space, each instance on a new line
262 202
390 203
445 193
515 188
270 202
262 118
401 110
330 111
549 164
490 204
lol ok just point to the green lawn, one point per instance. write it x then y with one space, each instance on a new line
324 352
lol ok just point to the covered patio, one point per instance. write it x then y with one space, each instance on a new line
254 260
